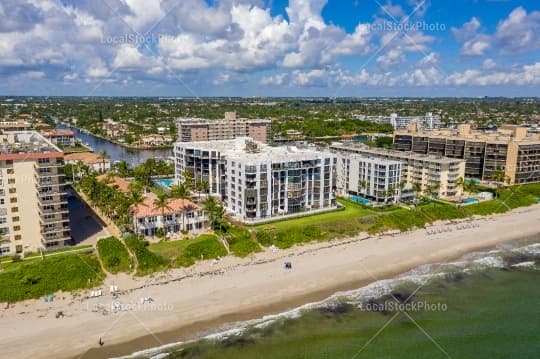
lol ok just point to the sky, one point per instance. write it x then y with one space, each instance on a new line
331 48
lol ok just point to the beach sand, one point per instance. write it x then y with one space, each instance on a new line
188 302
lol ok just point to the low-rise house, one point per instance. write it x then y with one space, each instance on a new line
179 215
156 140
60 136
120 183
93 161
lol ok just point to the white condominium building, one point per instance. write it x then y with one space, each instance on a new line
373 178
33 199
258 182
428 121
435 175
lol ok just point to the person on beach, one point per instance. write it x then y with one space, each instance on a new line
101 342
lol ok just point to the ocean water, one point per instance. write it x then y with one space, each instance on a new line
485 305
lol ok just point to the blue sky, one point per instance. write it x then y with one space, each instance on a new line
270 48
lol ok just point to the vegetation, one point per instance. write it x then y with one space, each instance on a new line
43 277
114 255
184 253
241 242
325 226
147 261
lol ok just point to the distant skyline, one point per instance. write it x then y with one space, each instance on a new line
244 48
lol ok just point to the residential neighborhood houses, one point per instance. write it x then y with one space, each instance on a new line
231 162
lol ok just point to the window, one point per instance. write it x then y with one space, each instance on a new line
18 237
11 180
4 250
13 200
15 219
4 230
10 171
3 220
152 219
168 217
14 209
2 201
12 190
17 228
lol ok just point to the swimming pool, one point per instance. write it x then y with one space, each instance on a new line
360 200
470 201
164 182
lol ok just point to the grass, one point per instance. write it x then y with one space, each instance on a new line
8 263
241 242
317 227
148 262
184 253
114 255
42 277
507 199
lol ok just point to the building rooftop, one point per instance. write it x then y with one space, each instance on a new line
399 154
503 134
176 205
58 132
25 142
121 183
246 149
86 157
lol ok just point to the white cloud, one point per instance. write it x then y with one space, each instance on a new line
519 32
488 64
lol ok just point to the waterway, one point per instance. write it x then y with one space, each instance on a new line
117 152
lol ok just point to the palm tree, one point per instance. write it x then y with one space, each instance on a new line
460 183
202 186
180 191
417 188
162 204
188 179
123 169
214 210
135 198
103 156
401 186
363 185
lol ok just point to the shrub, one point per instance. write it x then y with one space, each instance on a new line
241 242
41 277
114 255
147 261
207 248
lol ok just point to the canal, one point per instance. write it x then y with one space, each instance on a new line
116 152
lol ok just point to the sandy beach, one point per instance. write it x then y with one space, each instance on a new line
186 302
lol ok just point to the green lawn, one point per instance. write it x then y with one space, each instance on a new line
148 262
241 242
41 277
318 227
183 253
8 263
114 255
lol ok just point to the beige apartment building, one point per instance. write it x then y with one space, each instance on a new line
33 199
231 127
510 149
436 174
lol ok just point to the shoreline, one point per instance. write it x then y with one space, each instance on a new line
124 145
209 296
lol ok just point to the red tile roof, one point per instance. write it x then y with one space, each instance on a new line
177 205
123 184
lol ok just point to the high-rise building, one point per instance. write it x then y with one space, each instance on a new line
33 200
231 127
258 182
509 149
437 175
428 121
373 178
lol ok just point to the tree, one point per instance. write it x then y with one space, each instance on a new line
180 191
103 156
460 183
214 210
188 179
363 185
162 204
417 188
202 186
122 168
